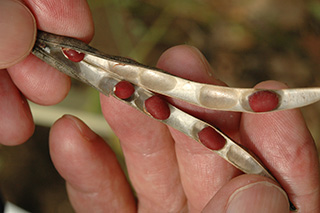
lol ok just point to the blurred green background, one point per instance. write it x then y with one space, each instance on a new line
245 41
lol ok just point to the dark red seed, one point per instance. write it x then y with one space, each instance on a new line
211 138
157 107
263 101
123 89
73 55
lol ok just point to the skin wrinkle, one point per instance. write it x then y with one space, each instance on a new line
145 147
276 136
284 158
61 24
39 86
127 125
299 153
135 134
93 198
90 194
149 175
164 194
163 191
308 195
213 183
107 185
86 197
169 201
281 172
151 172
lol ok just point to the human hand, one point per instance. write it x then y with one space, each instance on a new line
23 75
172 173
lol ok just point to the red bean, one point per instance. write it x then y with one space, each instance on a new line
263 101
157 107
123 90
211 138
73 55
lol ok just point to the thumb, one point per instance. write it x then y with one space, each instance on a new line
249 193
18 30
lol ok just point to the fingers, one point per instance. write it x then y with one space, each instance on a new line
249 193
95 181
150 157
69 18
202 172
16 124
175 58
40 82
35 79
148 144
18 33
283 142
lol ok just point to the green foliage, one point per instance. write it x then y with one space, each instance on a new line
314 7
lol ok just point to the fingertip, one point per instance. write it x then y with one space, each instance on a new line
16 124
39 82
19 26
71 144
68 18
90 168
259 197
287 131
67 136
271 84
249 193
189 63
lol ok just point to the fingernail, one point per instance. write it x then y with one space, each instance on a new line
258 197
203 60
207 67
83 129
18 32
